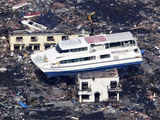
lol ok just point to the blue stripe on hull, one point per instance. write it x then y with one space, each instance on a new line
54 74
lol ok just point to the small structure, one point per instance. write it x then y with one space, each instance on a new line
98 86
31 15
19 5
33 25
37 41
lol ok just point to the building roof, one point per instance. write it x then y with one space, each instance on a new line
99 74
25 32
73 43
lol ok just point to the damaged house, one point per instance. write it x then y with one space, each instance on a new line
98 86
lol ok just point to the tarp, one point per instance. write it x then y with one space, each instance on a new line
142 52
23 105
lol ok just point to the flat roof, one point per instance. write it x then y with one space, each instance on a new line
46 32
25 32
99 74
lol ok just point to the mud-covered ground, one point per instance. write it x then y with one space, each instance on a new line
56 99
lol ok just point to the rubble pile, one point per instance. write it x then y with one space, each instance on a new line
26 94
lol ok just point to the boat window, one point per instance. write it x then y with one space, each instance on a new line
133 42
129 43
60 50
31 23
105 56
78 60
106 46
93 45
79 49
116 44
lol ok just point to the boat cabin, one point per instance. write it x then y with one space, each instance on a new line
97 42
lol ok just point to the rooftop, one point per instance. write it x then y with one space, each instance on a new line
27 32
99 74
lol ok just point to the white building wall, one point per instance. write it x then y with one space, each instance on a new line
97 85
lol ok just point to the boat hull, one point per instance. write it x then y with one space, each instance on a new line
71 72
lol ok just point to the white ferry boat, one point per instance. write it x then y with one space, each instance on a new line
89 53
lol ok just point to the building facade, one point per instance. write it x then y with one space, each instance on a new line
98 86
37 41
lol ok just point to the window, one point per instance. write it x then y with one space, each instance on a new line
136 50
133 42
22 46
18 39
113 84
50 38
29 48
37 47
79 49
84 85
16 47
33 47
49 45
116 44
83 49
94 45
33 39
60 50
86 97
77 60
129 43
106 45
112 95
64 37
19 46
31 23
105 56
74 50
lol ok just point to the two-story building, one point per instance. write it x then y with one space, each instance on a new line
98 86
20 40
